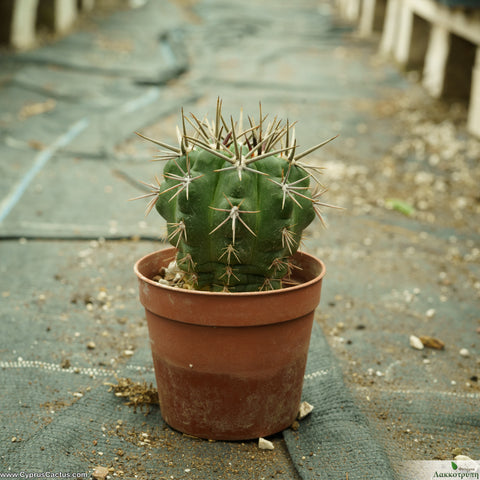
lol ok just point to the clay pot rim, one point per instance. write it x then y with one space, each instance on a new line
300 286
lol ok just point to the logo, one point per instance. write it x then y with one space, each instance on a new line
462 468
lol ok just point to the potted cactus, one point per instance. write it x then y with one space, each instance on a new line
230 305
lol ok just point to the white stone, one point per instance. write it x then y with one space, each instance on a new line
462 457
304 410
265 444
416 343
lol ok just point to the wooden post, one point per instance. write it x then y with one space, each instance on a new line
413 38
473 123
372 17
391 27
436 60
57 15
17 23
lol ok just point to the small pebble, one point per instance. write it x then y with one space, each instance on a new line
463 457
416 343
102 295
464 352
265 444
91 345
100 473
305 409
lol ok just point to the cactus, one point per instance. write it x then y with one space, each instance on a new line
236 201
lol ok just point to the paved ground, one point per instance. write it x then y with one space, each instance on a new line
403 258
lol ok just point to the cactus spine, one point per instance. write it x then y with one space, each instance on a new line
236 201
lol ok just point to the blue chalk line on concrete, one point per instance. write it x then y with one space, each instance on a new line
40 161
150 96
43 157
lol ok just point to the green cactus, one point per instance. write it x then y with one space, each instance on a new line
236 202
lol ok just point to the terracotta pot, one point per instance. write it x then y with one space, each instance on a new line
229 366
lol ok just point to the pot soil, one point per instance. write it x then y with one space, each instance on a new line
229 366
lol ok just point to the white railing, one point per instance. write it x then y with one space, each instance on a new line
20 20
442 42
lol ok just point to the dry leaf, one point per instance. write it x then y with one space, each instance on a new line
37 108
431 342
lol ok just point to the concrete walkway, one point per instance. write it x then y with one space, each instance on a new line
403 258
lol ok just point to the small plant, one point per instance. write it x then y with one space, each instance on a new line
236 200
